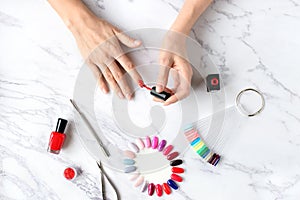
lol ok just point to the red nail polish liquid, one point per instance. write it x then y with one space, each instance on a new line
57 137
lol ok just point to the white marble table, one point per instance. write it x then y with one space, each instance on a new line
254 43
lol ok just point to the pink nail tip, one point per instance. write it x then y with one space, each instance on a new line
148 142
172 155
168 149
154 142
139 142
139 181
129 154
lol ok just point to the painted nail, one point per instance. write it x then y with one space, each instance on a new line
168 149
140 143
177 178
139 181
145 186
128 162
133 147
217 160
177 170
172 155
172 184
151 188
148 142
129 169
166 188
129 154
154 142
159 190
176 162
162 145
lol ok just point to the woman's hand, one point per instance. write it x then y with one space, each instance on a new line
99 43
173 61
107 61
173 56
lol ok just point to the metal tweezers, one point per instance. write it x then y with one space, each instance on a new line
103 173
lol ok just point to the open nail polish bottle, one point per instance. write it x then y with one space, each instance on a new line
57 137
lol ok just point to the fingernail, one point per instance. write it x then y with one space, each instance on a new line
159 88
104 91
120 94
129 96
137 42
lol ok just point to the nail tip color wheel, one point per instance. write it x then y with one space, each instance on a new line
140 181
200 147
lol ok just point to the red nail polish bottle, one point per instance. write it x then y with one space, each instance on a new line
57 137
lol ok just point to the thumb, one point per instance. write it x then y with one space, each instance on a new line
126 40
163 75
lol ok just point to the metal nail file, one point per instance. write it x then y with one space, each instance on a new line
91 129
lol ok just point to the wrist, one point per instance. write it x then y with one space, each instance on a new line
77 18
181 29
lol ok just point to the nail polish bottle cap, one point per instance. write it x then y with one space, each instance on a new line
61 125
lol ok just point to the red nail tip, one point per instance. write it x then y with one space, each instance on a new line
177 178
159 190
166 188
177 170
151 188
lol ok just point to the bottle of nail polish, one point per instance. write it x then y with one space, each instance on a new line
57 137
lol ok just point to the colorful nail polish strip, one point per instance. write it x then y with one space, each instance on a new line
151 188
140 143
172 184
154 142
177 170
168 149
177 178
200 147
166 188
159 190
176 162
173 155
162 145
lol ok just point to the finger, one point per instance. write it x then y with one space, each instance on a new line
127 64
171 100
126 40
112 82
102 84
182 92
165 62
99 77
120 79
176 80
157 100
